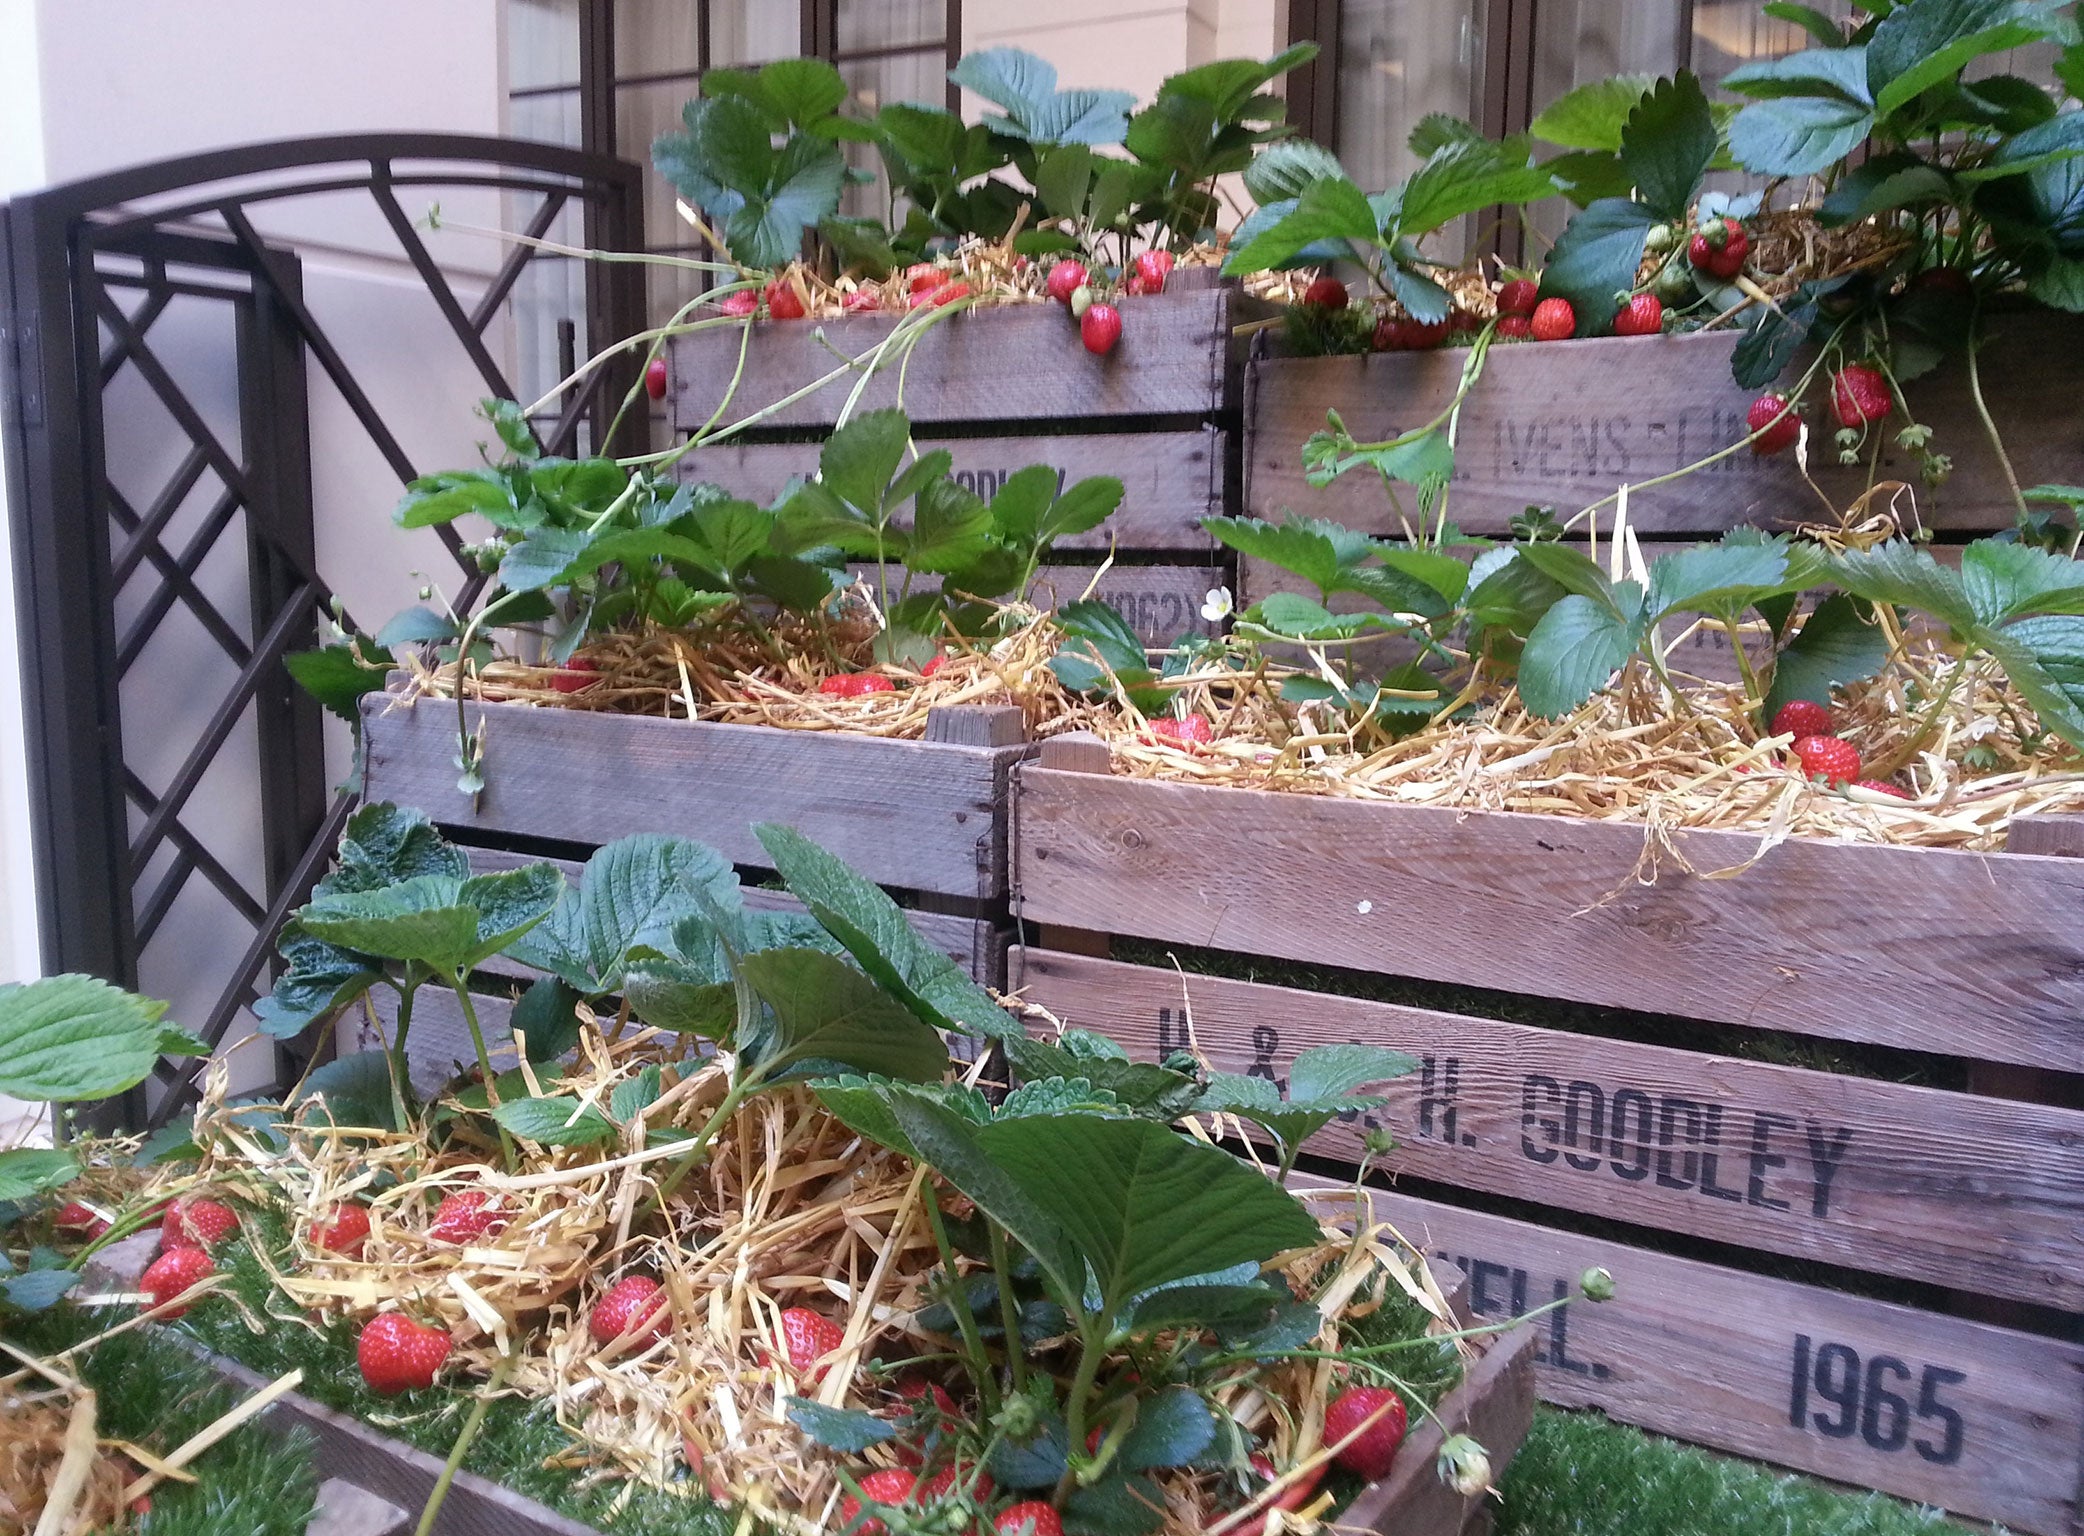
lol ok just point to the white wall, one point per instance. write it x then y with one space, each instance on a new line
88 86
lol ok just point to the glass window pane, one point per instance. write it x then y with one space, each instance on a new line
1579 41
657 37
542 43
891 23
752 31
1398 61
642 113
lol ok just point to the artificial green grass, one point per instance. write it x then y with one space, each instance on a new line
151 1391
1582 1475
512 1448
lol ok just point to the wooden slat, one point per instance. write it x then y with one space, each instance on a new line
1977 955
919 815
1170 480
1564 424
1494 1406
348 1449
1982 1194
1710 1355
1020 363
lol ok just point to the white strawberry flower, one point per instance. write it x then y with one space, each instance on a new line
1217 605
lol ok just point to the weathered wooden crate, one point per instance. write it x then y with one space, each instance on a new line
1972 956
1005 388
1563 424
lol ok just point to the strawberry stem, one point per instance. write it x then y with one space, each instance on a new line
469 1432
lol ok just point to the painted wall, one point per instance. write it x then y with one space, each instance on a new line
87 86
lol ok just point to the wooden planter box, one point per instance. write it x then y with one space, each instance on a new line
1966 955
924 819
1564 424
1005 388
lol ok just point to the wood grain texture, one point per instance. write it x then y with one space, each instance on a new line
1170 480
1159 602
1494 1406
1709 1355
1977 1193
1563 424
1177 357
1965 954
348 1449
917 815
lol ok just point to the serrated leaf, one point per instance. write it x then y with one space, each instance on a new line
1329 209
38 1290
26 1171
631 894
874 930
1798 135
2005 581
414 626
1839 72
1900 573
1920 44
1573 653
862 1103
1036 1461
1058 1096
1668 144
1835 645
1115 1506
1141 1088
826 1012
1283 169
1595 257
546 1018
1593 115
321 979
2044 659
1332 1071
1709 578
355 1090
1464 176
68 1038
341 676
555 1122
850 1431
1173 1427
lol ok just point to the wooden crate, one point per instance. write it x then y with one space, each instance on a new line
1979 957
1004 388
1564 424
917 816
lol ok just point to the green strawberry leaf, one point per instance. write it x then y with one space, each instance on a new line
69 1038
1837 644
1668 143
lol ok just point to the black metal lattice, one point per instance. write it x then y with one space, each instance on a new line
93 271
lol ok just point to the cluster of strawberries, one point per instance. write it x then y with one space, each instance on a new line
1370 1421
1099 322
1822 754
1860 397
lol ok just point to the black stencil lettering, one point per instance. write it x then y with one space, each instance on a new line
1532 1091
1265 1041
1884 1414
1826 1152
1437 1084
1586 1102
1688 1164
1931 1409
1172 1033
1709 1161
1837 1381
1762 1128
1481 1276
1630 1151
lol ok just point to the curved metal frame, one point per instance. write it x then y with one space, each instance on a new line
191 214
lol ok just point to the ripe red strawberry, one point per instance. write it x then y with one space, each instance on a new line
1462 322
1326 292
860 299
1776 425
1184 732
1885 789
1134 286
1100 329
1065 279
923 275
783 301
1518 327
75 1220
743 302
1830 758
634 1305
944 1482
852 685
397 1354
1860 395
809 1337
1519 297
934 665
573 675
1642 315
467 1214
173 1272
1801 717
1297 1493
1404 334
1554 320
892 1485
655 378
343 1232
1951 280
1154 267
1372 1451
1031 1518
1720 250
946 293
196 1223
915 1390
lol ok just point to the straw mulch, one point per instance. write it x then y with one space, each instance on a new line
725 673
49 1454
791 1210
